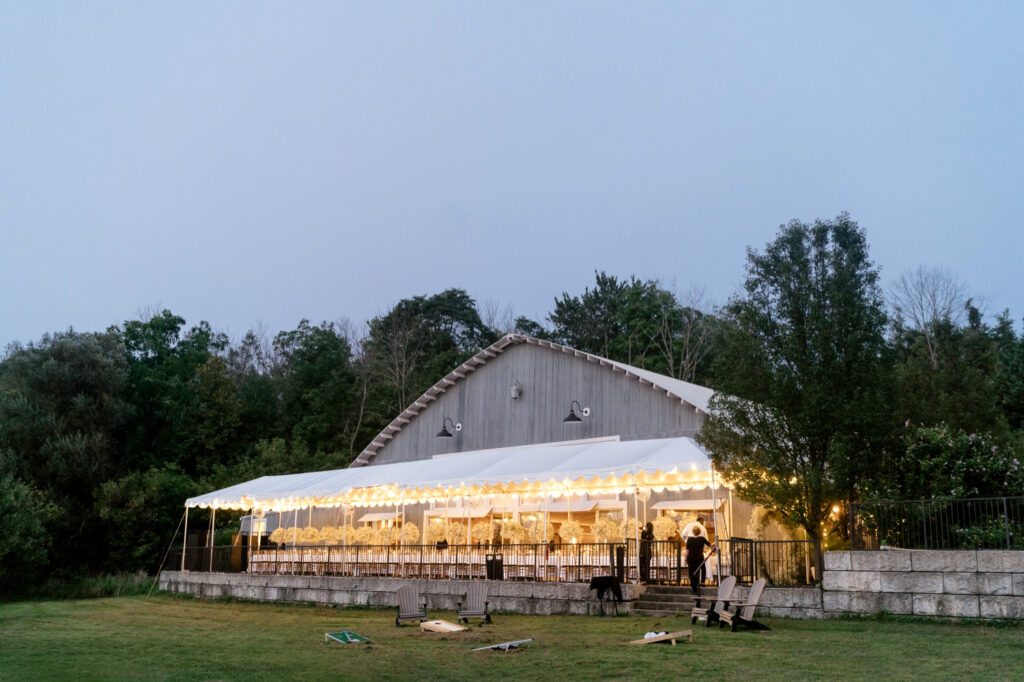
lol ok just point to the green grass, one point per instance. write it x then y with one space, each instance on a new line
174 638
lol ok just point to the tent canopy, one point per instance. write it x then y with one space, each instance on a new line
552 469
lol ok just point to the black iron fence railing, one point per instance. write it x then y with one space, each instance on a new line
782 563
977 523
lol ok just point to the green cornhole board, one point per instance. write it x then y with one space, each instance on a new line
346 637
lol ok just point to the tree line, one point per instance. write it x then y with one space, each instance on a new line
824 380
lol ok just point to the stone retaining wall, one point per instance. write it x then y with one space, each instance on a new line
964 583
956 583
541 598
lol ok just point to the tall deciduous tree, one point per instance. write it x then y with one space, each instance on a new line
802 373
637 322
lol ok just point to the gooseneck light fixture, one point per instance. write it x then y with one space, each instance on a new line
444 432
574 418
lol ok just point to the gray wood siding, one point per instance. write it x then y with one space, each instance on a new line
490 418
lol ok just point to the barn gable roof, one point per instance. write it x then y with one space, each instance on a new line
683 391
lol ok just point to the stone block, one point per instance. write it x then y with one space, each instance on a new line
793 612
894 560
995 583
1001 607
1000 561
792 597
838 560
960 583
836 602
963 561
952 605
852 581
890 602
910 581
1018 584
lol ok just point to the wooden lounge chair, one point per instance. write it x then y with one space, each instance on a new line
744 613
711 614
476 603
409 606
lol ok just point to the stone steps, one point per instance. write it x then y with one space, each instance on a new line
660 600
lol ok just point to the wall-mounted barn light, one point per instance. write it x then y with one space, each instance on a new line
516 389
444 432
573 418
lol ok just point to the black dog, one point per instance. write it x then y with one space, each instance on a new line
605 583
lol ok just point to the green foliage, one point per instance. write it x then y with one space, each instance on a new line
62 414
318 392
802 373
636 322
164 367
419 341
946 462
25 540
992 533
952 375
142 510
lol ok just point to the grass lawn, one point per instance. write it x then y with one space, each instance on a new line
174 638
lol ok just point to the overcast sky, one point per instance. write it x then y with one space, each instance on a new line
252 162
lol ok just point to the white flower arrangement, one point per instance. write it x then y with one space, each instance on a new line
410 533
606 530
570 530
363 535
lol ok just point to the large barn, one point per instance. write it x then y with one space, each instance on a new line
528 444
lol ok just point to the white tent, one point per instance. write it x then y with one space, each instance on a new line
553 469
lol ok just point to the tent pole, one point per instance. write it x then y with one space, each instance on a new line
213 514
401 532
714 520
184 541
636 527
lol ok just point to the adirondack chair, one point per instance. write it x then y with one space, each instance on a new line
476 603
409 606
744 613
711 613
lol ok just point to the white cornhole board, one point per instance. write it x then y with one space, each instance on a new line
440 626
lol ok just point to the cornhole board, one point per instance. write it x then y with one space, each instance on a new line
669 637
346 637
505 646
440 626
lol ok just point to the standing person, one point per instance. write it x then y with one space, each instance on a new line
688 532
646 537
695 545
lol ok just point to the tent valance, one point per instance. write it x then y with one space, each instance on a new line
556 470
689 505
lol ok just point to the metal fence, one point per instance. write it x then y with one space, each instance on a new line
977 523
782 563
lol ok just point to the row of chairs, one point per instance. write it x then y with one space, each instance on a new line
411 608
740 614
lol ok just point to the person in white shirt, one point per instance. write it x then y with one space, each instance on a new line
688 531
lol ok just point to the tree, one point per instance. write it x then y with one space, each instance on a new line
637 322
63 409
926 297
318 398
419 341
951 375
25 542
802 409
164 365
142 509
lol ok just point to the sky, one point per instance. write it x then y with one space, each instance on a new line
254 164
